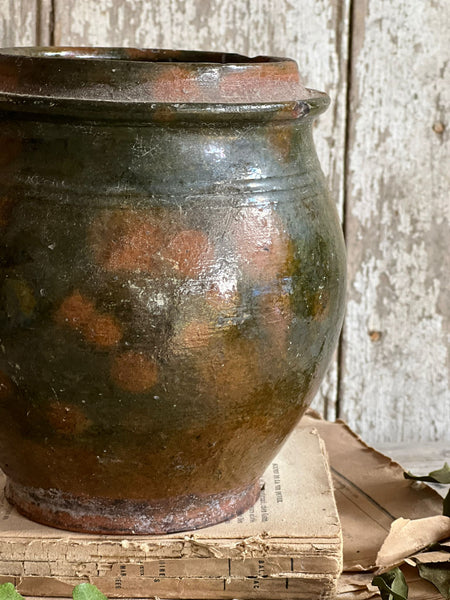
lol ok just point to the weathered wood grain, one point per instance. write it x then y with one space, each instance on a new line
25 22
420 459
19 22
314 32
395 371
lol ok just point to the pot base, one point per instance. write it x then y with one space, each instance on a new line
109 516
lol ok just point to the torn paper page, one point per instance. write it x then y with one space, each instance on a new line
407 537
371 493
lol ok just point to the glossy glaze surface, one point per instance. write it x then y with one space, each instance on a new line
172 290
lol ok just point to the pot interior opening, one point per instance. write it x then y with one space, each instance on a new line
141 55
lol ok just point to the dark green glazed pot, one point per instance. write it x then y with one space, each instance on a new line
172 281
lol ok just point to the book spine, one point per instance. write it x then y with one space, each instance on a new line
38 549
308 588
181 568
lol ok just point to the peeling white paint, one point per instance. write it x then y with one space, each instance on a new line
17 23
397 388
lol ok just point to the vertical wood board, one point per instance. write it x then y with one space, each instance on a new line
19 22
314 32
395 371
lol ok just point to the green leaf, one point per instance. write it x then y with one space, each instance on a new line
87 591
437 547
446 510
9 592
392 585
439 476
438 575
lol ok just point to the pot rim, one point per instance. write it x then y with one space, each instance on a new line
134 76
134 54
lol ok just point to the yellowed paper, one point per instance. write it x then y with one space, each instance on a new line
371 493
407 537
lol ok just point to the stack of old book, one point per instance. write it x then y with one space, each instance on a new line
289 545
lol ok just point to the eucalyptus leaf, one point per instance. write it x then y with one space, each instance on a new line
87 591
446 510
438 575
437 547
9 592
392 585
439 476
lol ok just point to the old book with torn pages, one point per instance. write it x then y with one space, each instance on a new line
289 545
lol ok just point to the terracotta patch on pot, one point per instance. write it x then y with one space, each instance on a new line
8 388
195 334
6 207
79 313
231 371
261 244
226 300
280 139
189 252
126 240
176 84
67 419
277 317
10 77
134 372
10 148
102 330
269 80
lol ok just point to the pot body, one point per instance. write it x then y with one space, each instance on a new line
172 290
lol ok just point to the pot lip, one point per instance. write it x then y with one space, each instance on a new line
141 55
132 76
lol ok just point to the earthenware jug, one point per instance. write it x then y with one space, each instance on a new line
172 281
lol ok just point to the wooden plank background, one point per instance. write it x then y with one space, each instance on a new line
384 146
395 368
